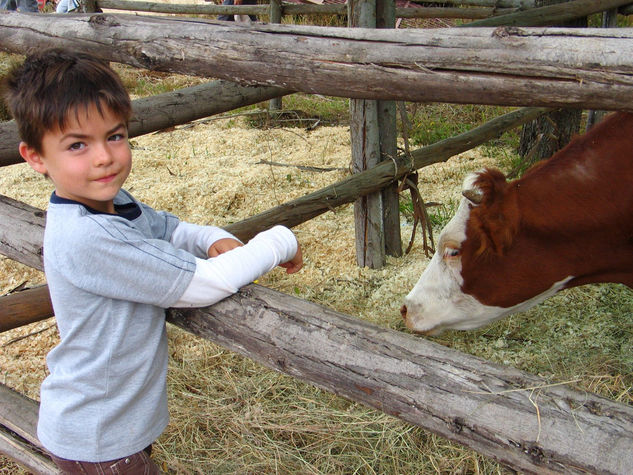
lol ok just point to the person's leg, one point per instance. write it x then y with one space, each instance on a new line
226 17
8 5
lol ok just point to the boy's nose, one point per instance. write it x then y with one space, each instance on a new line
102 156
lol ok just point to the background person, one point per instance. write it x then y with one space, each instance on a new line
19 5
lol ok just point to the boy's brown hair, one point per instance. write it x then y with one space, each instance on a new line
50 85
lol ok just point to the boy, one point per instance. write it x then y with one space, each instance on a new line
113 265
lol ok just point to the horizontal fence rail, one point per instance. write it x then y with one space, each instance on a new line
465 9
296 9
544 67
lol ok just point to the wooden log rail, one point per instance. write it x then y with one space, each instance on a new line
552 14
520 420
26 306
546 67
165 110
297 9
18 439
479 9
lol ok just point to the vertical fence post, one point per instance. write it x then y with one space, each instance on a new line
386 18
373 136
275 17
365 145
609 20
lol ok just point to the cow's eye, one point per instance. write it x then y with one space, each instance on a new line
451 251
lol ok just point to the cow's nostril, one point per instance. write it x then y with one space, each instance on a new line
403 311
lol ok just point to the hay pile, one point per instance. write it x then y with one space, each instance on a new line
228 414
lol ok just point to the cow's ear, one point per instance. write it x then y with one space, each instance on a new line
491 185
496 213
474 195
482 187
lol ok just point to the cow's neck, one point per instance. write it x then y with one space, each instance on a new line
580 202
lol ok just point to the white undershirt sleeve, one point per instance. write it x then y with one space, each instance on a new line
221 276
197 239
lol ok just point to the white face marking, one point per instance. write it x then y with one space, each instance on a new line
431 312
437 302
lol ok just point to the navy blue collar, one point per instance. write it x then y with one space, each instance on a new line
129 211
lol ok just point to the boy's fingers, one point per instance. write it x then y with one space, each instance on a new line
223 245
293 269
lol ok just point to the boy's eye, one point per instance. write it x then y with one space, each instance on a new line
116 137
76 146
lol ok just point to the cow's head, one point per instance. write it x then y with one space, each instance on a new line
480 272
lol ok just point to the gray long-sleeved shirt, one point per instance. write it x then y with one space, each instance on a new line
110 277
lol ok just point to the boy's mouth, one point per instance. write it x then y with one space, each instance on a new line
106 179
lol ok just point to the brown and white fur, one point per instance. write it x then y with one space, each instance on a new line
567 222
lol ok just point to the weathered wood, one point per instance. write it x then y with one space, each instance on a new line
551 67
88 6
365 147
387 125
182 8
482 10
274 16
19 414
24 307
552 14
543 137
165 110
25 454
609 20
21 232
519 419
18 432
296 9
485 3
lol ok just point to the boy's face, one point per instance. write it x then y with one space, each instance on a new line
88 161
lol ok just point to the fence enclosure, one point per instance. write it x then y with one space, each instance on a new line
466 399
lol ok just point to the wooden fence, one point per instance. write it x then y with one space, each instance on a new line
454 9
485 406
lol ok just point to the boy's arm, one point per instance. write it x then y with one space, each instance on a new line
221 276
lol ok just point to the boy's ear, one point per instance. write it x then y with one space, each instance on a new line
32 157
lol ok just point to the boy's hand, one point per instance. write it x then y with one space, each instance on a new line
223 245
294 264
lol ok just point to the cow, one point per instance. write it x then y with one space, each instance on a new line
566 222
